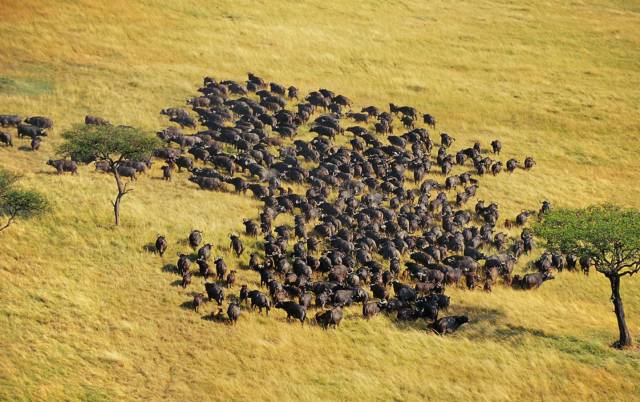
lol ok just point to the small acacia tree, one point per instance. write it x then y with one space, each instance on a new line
607 234
17 203
113 144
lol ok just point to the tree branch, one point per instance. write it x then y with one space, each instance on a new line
631 264
125 190
631 272
604 257
630 254
600 264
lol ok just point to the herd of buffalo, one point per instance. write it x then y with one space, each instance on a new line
368 203
381 220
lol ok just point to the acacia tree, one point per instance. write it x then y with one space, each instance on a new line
609 235
112 144
17 203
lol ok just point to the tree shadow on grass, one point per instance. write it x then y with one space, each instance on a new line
483 314
582 349
564 343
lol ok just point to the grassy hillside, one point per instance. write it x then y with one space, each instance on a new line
86 314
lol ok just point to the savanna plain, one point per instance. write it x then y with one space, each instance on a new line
87 314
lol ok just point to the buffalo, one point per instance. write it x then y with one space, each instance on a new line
126 171
233 312
260 301
40 121
236 245
293 310
28 130
448 325
35 143
532 280
329 318
204 252
214 292
371 308
161 245
198 300
10 120
195 238
5 138
63 165
95 120
183 263
207 183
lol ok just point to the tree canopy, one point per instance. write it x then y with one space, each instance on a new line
114 144
87 143
608 234
18 203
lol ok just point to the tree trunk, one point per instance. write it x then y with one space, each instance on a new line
625 336
116 207
9 222
121 192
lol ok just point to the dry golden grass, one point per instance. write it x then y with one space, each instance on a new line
86 314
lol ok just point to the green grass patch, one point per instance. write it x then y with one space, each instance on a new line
24 86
